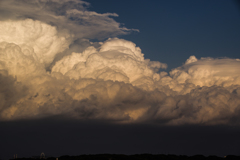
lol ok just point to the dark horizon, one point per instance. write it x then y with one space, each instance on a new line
57 137
144 156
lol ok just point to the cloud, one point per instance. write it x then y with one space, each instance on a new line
207 72
66 15
43 39
116 60
10 91
49 66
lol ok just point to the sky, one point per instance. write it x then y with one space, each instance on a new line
127 77
175 30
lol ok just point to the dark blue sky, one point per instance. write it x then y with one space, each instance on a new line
173 30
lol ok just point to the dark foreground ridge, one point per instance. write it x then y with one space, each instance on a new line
136 157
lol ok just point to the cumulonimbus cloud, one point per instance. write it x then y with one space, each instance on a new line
41 75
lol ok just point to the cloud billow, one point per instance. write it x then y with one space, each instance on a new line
42 75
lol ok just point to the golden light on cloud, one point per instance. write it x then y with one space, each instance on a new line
50 67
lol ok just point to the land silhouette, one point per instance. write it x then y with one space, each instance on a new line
135 157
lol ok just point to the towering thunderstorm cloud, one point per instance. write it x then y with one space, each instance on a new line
49 66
